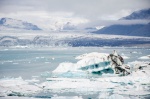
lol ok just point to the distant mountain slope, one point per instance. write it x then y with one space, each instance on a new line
13 24
132 30
142 14
119 29
143 31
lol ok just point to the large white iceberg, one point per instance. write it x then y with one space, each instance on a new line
90 62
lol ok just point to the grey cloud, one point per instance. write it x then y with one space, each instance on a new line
93 10
112 22
79 7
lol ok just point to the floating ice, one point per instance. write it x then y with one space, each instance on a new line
5 49
15 63
37 57
53 58
67 97
103 95
89 61
32 80
128 83
93 55
71 80
125 57
145 57
117 96
77 85
17 87
65 67
47 62
134 52
110 87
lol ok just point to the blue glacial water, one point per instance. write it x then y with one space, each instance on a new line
15 62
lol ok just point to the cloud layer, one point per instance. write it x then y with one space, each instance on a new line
49 13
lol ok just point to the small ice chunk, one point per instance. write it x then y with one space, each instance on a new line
64 67
134 52
53 58
125 57
47 62
145 57
37 57
15 63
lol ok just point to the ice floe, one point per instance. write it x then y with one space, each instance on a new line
67 97
125 57
17 87
145 57
103 95
77 85
15 63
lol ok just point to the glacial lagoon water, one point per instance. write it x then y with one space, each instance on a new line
29 63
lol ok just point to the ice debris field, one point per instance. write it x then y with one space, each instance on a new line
70 77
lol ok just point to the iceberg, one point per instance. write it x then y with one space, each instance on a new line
97 63
94 62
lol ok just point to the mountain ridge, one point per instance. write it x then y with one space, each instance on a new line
13 24
131 30
141 14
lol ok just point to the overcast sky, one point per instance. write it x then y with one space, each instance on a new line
50 12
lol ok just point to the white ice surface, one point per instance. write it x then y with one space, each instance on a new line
16 86
93 55
145 57
85 60
134 84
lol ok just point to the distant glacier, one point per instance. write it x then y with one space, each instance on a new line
74 39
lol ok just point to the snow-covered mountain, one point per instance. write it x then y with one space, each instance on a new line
132 30
142 14
13 24
68 26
